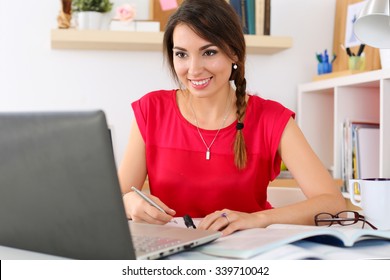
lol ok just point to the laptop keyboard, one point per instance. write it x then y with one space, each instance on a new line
146 244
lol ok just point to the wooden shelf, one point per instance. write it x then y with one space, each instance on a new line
285 182
147 41
336 74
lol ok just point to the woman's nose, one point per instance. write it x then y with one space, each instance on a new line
195 66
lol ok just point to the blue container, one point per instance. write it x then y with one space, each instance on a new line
324 68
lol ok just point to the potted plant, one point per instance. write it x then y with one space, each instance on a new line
90 13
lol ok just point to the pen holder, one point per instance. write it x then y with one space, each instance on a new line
324 68
357 63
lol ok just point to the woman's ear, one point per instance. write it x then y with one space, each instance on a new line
233 56
235 59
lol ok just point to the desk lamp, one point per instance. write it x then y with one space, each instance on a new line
372 27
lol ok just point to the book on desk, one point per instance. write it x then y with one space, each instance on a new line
249 243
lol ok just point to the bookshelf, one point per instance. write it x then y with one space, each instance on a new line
147 41
324 105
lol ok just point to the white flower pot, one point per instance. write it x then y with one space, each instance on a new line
89 20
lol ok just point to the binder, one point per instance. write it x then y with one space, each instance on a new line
250 16
240 7
259 16
267 18
367 153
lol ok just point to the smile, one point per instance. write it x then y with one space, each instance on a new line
200 82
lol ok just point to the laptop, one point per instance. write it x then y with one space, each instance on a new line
60 195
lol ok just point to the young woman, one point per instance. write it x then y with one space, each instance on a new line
210 148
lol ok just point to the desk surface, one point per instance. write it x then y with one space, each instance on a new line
303 249
372 249
8 253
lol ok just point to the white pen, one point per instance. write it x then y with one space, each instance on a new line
148 200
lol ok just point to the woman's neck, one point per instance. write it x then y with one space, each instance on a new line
208 112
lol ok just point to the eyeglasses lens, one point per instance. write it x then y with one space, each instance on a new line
347 218
324 219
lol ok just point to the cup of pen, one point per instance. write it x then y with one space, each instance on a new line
324 68
357 63
324 63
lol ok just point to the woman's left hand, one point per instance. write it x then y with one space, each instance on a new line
229 221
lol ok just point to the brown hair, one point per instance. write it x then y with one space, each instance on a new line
217 22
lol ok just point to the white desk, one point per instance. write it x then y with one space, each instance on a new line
8 253
374 249
367 249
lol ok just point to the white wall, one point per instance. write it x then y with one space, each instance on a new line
35 77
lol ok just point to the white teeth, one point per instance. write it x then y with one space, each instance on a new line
199 83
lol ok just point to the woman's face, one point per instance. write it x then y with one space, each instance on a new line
200 66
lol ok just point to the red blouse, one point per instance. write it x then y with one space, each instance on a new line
178 171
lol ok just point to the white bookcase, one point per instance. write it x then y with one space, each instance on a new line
324 105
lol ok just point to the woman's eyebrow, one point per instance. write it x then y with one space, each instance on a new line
207 46
179 48
201 48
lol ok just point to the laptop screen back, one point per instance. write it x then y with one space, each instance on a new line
59 191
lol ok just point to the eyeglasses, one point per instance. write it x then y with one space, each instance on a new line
344 218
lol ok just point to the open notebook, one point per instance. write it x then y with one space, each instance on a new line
60 195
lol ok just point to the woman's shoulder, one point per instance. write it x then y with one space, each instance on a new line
158 94
267 109
154 104
157 97
266 104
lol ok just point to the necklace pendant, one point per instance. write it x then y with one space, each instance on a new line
208 155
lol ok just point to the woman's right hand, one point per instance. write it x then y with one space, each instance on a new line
139 210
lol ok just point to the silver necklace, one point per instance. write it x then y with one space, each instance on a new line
208 147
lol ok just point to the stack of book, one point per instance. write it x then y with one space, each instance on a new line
360 155
255 15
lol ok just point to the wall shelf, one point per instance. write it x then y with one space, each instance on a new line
147 41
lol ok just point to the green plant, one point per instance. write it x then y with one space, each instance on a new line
101 6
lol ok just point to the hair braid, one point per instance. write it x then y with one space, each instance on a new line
240 156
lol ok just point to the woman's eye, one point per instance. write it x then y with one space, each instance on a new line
180 54
210 52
